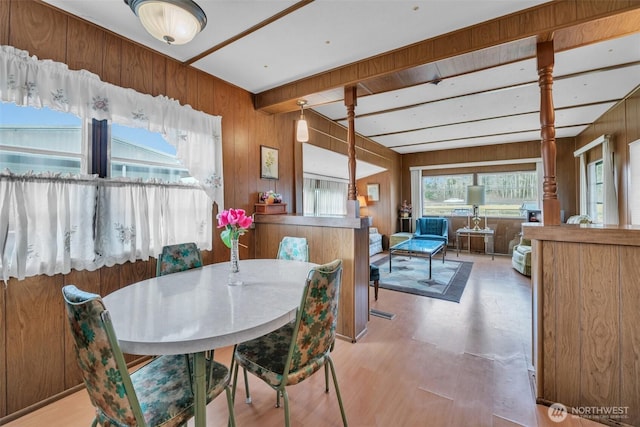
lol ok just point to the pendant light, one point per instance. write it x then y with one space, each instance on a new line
170 21
302 128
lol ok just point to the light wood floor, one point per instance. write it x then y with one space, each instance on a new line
437 363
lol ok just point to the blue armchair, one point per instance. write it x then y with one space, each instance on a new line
430 228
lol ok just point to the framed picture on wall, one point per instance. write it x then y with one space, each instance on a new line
268 162
373 192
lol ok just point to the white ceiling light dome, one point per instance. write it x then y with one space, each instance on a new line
171 21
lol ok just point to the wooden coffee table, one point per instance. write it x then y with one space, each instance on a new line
417 247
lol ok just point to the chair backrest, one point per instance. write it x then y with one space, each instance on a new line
103 367
179 257
317 318
293 249
435 226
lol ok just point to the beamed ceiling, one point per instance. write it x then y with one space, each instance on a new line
429 74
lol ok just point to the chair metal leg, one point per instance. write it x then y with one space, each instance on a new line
232 417
246 386
326 378
234 371
335 383
287 423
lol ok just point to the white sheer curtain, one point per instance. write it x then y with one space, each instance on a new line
610 191
25 80
416 193
325 197
187 218
49 225
584 210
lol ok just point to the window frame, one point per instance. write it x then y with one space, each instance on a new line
476 179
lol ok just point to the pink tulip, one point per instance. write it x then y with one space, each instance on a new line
234 218
223 219
245 222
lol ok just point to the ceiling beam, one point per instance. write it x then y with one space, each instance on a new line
571 23
248 31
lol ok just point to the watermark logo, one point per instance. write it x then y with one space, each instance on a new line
557 412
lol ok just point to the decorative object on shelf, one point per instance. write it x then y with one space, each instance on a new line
235 223
475 197
270 197
268 162
302 128
405 210
170 21
373 192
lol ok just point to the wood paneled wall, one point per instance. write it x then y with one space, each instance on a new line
36 361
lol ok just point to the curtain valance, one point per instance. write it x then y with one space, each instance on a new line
25 80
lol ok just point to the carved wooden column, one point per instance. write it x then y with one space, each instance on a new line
350 101
550 203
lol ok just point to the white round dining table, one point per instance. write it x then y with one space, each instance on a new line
194 311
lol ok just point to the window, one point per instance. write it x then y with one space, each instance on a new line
507 194
90 222
43 140
139 153
324 197
446 194
40 140
595 196
128 219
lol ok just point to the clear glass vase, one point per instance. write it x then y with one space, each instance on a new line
234 272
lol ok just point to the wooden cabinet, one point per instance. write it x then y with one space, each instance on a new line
586 322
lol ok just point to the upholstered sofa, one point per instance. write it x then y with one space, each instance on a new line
375 241
579 219
521 258
432 228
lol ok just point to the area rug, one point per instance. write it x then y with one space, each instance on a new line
411 275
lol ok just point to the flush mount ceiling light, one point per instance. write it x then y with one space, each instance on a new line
302 129
170 21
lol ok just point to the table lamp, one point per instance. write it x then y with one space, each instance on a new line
475 197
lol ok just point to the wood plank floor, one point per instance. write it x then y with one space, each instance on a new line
437 363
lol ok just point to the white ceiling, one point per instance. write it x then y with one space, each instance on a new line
329 164
493 106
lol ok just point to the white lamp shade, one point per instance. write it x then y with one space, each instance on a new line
169 21
302 130
475 194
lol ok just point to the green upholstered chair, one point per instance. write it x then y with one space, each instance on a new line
157 394
179 257
293 248
289 355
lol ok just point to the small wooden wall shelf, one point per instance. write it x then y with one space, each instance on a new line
271 209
